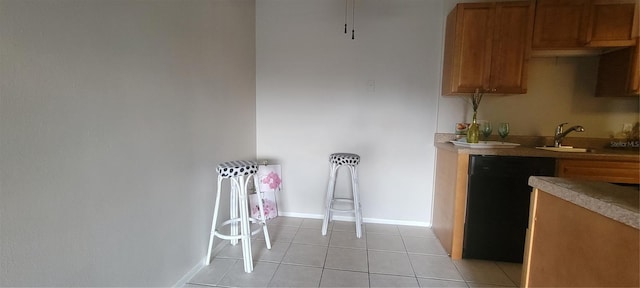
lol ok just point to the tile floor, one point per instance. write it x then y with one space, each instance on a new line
385 256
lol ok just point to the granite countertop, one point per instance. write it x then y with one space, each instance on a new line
596 154
528 144
620 203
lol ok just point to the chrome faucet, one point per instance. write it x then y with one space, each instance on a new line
560 134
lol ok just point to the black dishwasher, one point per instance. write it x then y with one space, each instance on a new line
498 198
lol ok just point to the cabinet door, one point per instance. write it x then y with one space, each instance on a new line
619 73
511 47
468 48
560 24
611 23
570 246
487 48
634 83
599 170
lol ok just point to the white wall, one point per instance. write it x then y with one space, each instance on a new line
113 115
320 92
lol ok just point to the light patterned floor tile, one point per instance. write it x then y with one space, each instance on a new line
347 259
513 271
230 251
296 276
260 277
279 233
312 237
285 221
433 266
337 278
189 285
393 263
387 229
275 254
213 273
438 283
411 231
346 226
308 255
424 246
385 242
347 240
393 255
380 280
483 285
315 224
485 272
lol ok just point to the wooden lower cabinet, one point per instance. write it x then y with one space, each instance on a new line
450 200
599 170
450 194
570 246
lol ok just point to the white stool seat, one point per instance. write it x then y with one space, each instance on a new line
351 161
239 173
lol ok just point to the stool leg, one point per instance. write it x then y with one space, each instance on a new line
356 200
213 223
330 190
233 209
245 226
263 218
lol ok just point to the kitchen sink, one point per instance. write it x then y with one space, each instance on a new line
564 149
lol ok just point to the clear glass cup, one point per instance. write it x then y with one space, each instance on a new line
503 130
486 129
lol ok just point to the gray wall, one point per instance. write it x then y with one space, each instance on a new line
113 115
319 92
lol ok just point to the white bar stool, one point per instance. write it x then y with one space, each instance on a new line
239 173
336 161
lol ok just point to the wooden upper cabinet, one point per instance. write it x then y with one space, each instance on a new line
560 24
611 23
487 46
619 73
575 24
511 48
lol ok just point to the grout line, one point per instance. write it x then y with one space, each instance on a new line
367 251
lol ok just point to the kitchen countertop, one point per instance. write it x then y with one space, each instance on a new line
620 203
597 148
593 154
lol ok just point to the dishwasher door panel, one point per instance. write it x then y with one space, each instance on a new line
498 205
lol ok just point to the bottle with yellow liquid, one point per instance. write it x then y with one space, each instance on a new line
474 131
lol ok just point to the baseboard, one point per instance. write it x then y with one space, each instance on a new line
300 215
193 271
352 219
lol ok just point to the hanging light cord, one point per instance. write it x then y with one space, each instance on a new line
353 19
346 9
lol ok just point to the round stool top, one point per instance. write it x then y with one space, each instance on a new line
237 168
344 159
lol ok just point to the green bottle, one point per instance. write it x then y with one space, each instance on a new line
474 131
